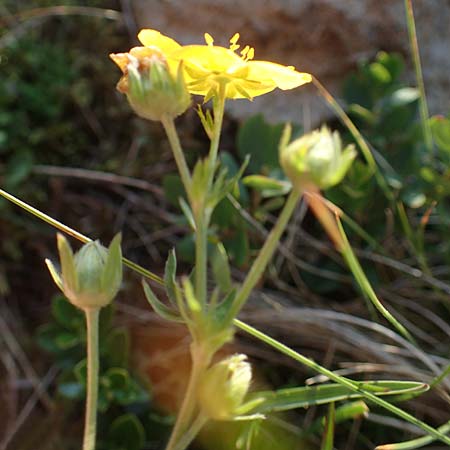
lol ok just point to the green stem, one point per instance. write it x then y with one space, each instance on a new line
90 424
266 252
219 108
201 258
71 232
199 363
178 153
202 216
341 380
190 434
410 22
415 443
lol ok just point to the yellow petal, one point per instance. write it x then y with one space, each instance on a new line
283 77
211 58
153 38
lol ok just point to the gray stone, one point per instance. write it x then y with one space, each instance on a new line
323 37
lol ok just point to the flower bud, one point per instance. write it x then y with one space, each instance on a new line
223 387
152 87
91 277
315 159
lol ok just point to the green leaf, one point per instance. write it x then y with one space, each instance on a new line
18 167
191 300
173 189
127 432
237 246
80 371
159 307
118 347
328 435
116 378
47 335
221 267
187 213
170 273
71 390
112 272
303 397
401 97
222 314
347 411
379 73
440 127
260 140
199 180
414 197
66 340
269 187
67 314
393 62
68 271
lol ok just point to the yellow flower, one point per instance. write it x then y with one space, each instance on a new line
210 69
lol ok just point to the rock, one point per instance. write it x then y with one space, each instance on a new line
324 37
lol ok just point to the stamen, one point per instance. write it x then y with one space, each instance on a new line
245 51
209 39
233 42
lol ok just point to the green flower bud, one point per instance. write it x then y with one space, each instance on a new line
152 87
91 277
315 159
223 387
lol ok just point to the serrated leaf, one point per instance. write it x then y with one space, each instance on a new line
159 307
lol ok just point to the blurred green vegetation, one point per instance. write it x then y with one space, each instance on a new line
58 108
